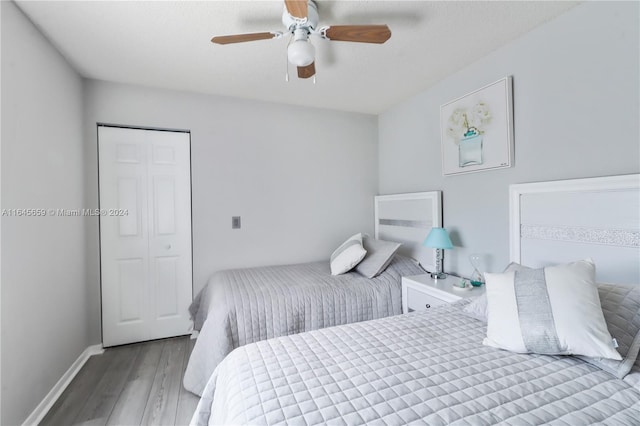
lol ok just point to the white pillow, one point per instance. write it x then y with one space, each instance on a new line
348 255
554 311
478 309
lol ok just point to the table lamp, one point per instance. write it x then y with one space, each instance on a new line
439 240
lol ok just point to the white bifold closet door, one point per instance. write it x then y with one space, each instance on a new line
145 234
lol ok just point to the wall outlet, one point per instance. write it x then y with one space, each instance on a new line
235 222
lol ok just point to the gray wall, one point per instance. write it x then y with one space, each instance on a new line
44 293
302 179
576 108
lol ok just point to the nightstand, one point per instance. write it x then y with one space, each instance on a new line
421 292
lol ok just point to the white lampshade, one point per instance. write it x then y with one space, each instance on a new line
301 53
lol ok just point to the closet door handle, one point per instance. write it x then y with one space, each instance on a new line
427 306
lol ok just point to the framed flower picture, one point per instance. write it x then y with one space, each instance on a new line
477 130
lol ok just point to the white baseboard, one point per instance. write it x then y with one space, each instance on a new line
45 405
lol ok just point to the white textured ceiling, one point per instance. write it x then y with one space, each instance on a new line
167 44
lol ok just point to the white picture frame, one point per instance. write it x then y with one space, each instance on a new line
477 130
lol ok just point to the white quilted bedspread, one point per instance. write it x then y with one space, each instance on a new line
420 368
248 305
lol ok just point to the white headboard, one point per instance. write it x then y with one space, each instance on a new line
564 221
407 219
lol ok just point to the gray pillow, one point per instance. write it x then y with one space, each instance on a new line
621 309
379 255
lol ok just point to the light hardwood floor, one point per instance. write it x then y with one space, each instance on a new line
139 384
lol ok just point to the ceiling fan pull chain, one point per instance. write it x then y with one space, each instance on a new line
286 73
286 76
314 79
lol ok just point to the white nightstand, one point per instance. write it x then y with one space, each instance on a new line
421 292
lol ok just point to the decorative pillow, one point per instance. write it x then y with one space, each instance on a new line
478 309
379 256
553 311
621 308
348 255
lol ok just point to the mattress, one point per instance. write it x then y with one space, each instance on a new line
420 368
248 305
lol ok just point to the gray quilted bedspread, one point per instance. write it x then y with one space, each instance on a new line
248 305
421 368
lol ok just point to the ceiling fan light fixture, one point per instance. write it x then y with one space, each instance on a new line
300 18
301 53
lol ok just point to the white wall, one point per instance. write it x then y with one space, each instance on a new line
0 225
302 179
576 91
44 293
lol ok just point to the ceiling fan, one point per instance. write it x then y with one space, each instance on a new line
300 18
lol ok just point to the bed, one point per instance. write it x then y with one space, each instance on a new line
242 306
430 367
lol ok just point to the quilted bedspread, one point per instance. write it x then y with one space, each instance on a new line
420 368
248 305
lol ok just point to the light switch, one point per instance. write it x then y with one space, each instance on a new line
235 222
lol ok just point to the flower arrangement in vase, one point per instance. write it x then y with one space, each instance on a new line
466 127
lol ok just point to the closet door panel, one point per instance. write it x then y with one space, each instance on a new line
170 229
146 274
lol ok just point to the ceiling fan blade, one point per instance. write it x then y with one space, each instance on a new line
240 38
297 8
308 71
358 33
